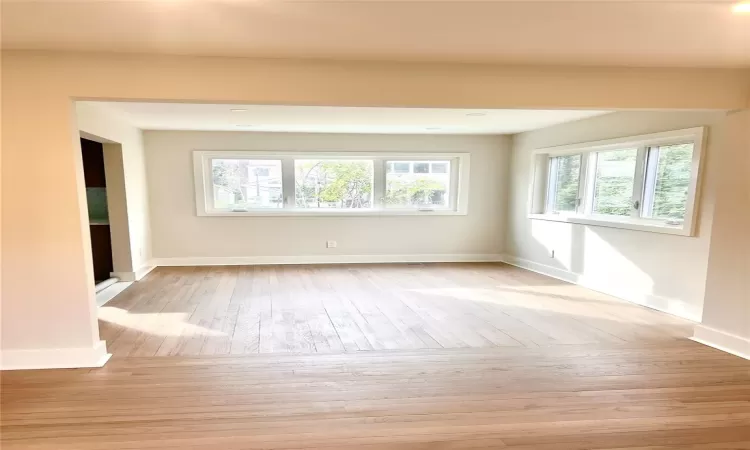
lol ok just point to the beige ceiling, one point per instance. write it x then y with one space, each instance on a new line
335 119
621 33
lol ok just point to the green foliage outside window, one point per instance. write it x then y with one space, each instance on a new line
416 192
333 184
672 181
615 172
568 176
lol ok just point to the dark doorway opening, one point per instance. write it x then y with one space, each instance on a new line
98 212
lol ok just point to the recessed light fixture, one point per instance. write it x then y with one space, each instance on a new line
433 128
741 8
244 126
476 114
238 110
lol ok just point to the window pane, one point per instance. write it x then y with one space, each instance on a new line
615 173
333 183
240 184
667 181
421 167
418 189
401 167
566 171
439 168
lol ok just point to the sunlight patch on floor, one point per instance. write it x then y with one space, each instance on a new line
528 298
159 324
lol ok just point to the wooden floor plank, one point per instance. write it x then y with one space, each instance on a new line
589 396
416 356
308 309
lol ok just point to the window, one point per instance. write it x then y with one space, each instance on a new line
613 182
303 183
242 184
343 184
667 181
420 189
642 182
564 183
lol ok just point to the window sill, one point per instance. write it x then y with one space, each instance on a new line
330 213
627 224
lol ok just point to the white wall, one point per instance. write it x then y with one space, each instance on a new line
726 319
179 233
100 122
663 271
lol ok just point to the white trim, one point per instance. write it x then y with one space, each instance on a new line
393 155
123 276
105 284
588 150
721 340
134 276
322 259
144 270
626 223
665 137
458 191
55 358
672 306
281 212
102 297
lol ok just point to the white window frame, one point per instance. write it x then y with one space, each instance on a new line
459 189
551 188
539 195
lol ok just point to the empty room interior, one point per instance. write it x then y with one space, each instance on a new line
264 229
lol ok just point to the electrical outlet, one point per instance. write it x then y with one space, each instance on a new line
331 244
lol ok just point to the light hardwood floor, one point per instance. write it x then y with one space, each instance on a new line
677 395
530 364
186 311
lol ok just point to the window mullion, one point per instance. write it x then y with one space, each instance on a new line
378 183
552 186
287 183
638 182
455 182
582 177
208 186
649 189
588 199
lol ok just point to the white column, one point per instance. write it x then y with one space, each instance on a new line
48 309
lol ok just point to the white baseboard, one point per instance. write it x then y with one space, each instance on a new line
321 259
721 340
143 271
134 276
123 276
55 358
102 297
668 305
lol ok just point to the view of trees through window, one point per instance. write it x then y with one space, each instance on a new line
333 183
615 174
671 166
646 180
417 183
395 183
567 178
244 183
